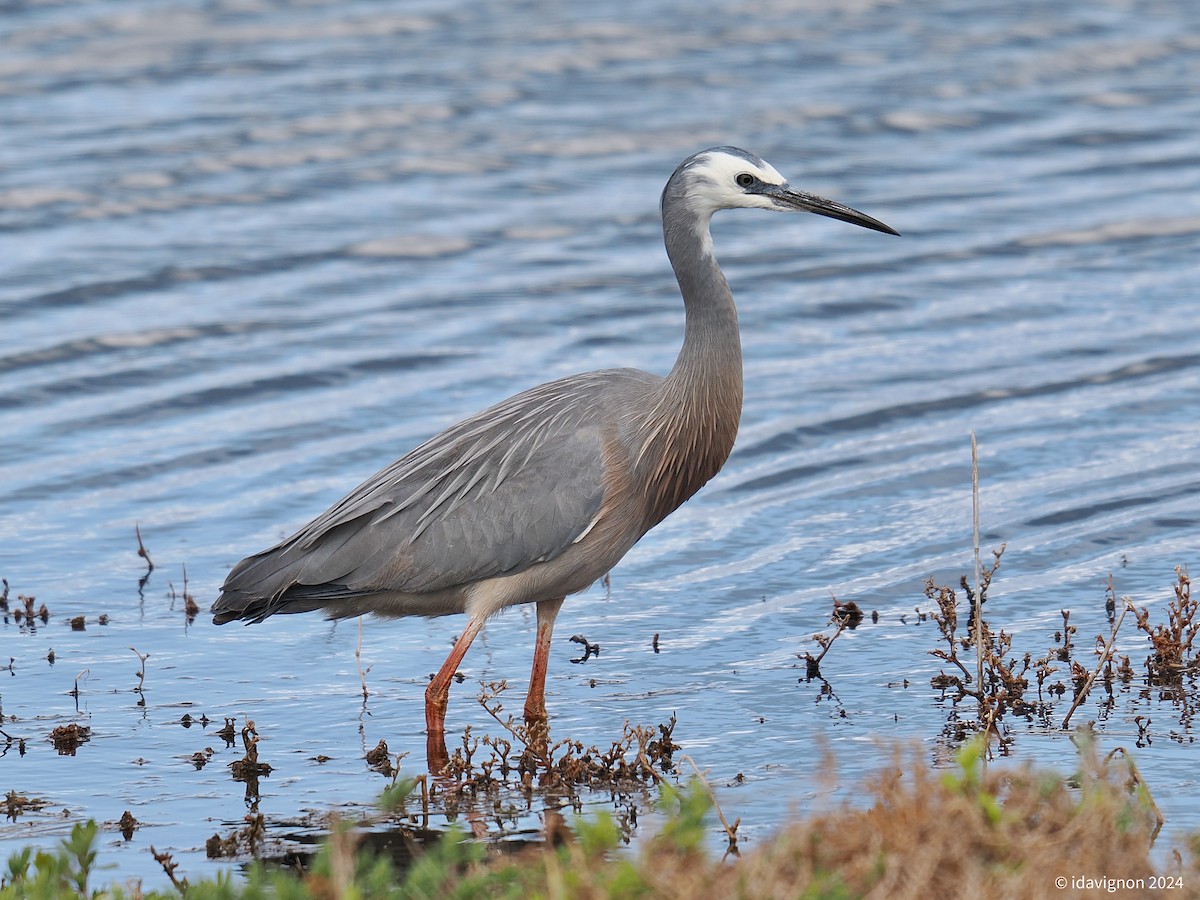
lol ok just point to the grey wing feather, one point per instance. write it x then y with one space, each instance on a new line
508 488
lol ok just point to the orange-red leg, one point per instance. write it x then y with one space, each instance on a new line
436 757
535 702
437 695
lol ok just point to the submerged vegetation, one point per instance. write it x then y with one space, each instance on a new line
988 683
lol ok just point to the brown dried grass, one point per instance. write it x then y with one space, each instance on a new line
1006 835
927 834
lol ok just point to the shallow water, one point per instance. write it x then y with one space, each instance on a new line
254 251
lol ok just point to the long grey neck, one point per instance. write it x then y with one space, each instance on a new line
711 357
690 432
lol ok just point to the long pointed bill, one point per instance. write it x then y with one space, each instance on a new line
786 198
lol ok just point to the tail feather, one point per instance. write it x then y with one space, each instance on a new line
297 575
265 584
233 605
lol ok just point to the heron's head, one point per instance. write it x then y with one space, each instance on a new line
729 178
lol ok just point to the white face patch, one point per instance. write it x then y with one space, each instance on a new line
712 183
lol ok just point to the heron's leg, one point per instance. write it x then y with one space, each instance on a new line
436 756
437 695
535 703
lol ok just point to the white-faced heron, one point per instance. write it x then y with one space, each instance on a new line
539 496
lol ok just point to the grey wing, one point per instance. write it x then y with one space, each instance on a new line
504 490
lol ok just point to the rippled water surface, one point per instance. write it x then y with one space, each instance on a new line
250 252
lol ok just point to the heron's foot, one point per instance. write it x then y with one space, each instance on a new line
437 697
436 757
535 709
436 702
537 730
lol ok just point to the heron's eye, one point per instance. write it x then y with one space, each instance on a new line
745 180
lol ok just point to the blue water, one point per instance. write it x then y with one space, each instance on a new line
253 251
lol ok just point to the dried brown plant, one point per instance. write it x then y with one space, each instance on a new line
1172 656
